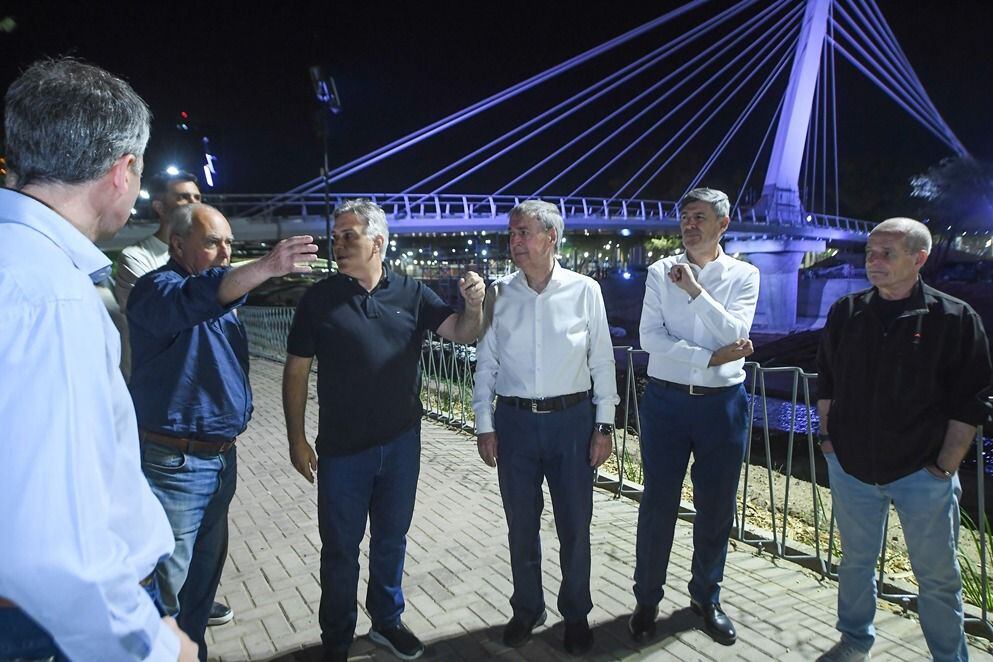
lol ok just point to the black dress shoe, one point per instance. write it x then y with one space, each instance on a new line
335 655
578 637
518 631
716 622
641 625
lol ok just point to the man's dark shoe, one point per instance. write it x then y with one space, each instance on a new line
518 632
335 655
641 625
400 641
716 622
578 638
220 614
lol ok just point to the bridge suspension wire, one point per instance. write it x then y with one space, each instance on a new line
834 118
722 145
750 67
905 88
621 76
758 154
641 137
743 32
887 60
400 144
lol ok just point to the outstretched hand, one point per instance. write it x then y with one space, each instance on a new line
291 256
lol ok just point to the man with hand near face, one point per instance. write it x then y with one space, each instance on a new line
695 321
546 358
192 396
366 326
902 374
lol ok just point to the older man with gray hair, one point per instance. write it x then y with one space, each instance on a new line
366 326
903 370
697 313
80 531
546 359
192 395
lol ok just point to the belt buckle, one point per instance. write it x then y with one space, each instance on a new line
534 407
692 392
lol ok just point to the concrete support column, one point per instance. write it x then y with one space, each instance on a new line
778 261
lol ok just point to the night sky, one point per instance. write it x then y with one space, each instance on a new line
241 74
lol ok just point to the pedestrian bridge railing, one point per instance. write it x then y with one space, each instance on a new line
780 467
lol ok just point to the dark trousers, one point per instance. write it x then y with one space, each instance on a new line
673 425
553 447
378 484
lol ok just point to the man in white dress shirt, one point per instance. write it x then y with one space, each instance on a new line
80 530
695 321
545 346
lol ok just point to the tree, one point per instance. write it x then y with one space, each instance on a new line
957 195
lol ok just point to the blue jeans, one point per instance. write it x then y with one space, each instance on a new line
21 638
713 428
195 492
554 447
379 483
929 512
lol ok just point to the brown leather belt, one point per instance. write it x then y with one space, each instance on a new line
191 446
545 405
690 388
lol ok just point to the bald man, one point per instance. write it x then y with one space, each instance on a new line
190 387
903 371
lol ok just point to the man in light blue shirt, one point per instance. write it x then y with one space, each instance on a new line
80 530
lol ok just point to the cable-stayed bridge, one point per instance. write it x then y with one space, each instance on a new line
757 79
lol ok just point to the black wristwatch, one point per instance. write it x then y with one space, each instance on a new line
604 428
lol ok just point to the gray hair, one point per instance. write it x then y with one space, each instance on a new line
545 213
68 122
916 236
718 200
371 213
180 219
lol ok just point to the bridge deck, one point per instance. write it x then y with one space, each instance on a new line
458 576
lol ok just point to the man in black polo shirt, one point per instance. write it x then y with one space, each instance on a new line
902 373
366 325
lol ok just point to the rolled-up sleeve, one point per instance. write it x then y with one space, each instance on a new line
600 357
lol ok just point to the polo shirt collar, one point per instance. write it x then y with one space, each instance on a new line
22 209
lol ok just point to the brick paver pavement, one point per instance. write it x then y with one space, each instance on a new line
457 580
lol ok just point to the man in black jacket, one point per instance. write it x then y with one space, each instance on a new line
903 373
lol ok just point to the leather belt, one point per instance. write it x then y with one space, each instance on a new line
691 389
190 446
545 405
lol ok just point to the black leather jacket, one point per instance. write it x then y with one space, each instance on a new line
893 390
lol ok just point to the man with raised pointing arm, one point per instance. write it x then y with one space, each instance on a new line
190 387
366 325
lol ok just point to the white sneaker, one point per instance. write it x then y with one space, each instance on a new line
844 651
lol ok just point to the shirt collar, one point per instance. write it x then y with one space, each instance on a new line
556 277
22 209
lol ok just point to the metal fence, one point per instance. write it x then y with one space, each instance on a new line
447 381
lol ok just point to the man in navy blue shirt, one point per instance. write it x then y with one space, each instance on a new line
191 393
366 326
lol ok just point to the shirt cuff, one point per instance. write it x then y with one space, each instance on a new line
165 647
700 358
605 413
484 420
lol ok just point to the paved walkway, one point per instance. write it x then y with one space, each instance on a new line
458 576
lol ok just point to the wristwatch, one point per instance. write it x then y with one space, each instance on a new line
822 437
604 428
